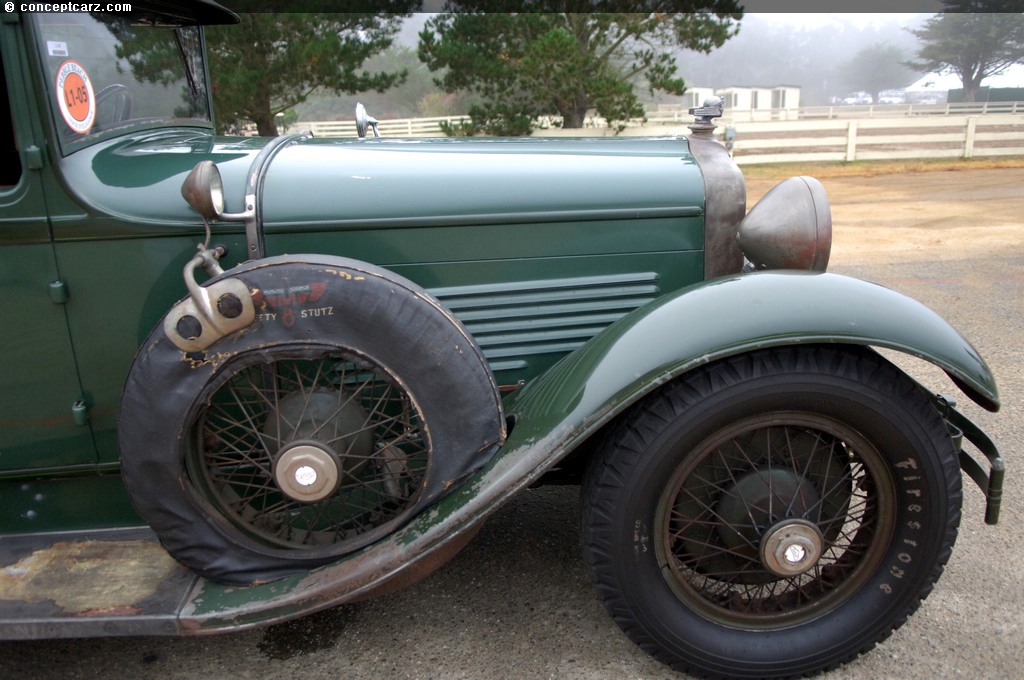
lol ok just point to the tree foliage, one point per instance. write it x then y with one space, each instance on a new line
417 96
769 52
524 65
974 39
270 62
876 68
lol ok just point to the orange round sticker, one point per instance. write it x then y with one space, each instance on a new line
75 97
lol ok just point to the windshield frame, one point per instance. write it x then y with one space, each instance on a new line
68 141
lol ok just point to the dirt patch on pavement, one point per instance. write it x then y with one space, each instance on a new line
940 215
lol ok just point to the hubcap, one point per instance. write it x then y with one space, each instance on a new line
307 472
791 547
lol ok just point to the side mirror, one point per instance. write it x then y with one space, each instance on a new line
364 121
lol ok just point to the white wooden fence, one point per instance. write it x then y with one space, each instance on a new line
879 139
863 133
668 113
395 127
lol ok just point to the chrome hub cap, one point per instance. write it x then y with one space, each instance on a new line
307 472
791 547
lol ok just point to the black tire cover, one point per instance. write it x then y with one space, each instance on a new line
363 308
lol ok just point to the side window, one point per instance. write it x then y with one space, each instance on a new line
10 161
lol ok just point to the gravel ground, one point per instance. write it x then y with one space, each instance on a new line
517 603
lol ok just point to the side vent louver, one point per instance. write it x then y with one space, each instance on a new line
513 321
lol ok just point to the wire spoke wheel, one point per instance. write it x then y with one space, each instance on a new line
775 520
315 448
773 514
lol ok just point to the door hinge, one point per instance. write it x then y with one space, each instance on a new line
80 412
58 292
34 157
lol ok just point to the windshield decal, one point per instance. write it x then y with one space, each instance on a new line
56 48
75 96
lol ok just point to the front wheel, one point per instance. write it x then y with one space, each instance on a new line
774 514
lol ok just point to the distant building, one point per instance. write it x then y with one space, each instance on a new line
695 96
744 103
760 103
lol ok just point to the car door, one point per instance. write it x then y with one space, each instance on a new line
43 412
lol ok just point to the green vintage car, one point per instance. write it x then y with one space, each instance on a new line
247 378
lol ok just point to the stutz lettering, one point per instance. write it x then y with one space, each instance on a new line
317 311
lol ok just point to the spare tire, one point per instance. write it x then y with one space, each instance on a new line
354 400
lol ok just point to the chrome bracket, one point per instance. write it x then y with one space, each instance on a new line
209 312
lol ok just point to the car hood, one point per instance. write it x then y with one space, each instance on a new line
378 182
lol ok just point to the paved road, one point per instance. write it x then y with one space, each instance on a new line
517 603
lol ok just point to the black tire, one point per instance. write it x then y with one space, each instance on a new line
311 433
774 514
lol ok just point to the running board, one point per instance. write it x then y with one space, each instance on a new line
90 584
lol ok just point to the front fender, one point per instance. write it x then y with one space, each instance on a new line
720 318
736 314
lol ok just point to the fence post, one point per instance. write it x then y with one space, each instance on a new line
851 140
972 123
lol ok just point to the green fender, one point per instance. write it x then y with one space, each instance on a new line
736 314
595 383
724 317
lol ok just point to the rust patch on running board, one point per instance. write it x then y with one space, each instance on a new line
89 578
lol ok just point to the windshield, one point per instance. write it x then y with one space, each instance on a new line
105 72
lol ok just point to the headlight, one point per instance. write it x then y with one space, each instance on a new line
204 191
790 228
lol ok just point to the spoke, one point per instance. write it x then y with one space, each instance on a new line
828 493
732 476
247 454
806 473
261 393
368 484
721 521
319 510
339 409
301 384
769 468
241 482
270 510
